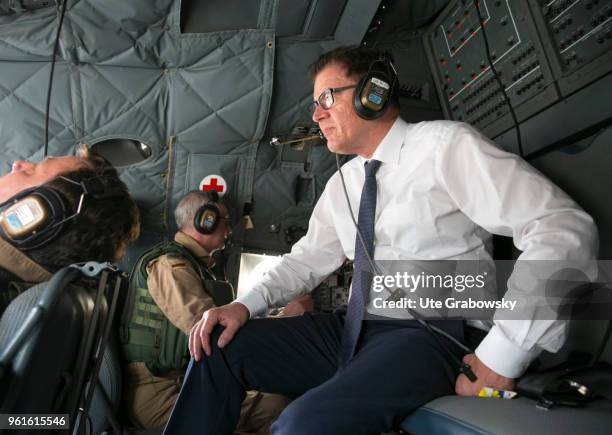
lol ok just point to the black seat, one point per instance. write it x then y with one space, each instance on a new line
472 415
45 374
51 342
105 410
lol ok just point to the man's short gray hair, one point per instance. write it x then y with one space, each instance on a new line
189 205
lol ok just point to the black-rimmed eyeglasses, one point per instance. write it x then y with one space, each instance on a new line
326 98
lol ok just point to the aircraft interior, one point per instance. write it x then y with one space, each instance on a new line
183 95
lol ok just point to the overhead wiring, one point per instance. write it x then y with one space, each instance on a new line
51 73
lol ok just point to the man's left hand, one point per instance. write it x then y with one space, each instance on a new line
486 378
298 306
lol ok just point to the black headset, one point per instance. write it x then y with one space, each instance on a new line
36 216
374 92
208 216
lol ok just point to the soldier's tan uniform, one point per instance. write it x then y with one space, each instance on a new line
178 291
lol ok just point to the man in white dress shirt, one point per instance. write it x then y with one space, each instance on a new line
441 190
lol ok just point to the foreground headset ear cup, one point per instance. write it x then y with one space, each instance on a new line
46 224
206 219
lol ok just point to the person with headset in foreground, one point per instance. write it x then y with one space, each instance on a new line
61 211
427 191
168 294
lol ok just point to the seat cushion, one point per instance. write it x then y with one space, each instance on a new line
474 415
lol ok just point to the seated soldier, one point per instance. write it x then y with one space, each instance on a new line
48 220
167 296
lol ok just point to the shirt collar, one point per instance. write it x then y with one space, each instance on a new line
190 243
388 150
16 262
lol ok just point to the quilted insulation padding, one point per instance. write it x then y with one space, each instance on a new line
284 193
206 103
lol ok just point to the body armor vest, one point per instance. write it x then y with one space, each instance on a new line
146 334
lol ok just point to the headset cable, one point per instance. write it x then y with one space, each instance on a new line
464 368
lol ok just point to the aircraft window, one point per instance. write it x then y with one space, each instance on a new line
9 8
218 15
252 269
123 152
313 18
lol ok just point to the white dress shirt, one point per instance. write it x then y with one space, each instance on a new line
442 189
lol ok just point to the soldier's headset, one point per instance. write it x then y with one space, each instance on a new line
375 90
36 216
206 219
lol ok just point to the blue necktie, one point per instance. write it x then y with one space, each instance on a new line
362 272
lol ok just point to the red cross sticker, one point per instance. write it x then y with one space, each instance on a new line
214 182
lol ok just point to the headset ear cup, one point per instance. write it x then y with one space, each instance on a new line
364 92
206 219
362 112
54 212
59 211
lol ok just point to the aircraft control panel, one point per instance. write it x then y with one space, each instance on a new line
579 36
542 50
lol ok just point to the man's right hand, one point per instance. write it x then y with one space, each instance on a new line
231 316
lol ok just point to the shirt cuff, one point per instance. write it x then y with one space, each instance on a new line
254 302
503 356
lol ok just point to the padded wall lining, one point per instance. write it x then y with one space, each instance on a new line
206 103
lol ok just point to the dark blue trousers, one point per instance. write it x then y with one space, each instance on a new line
398 367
